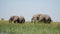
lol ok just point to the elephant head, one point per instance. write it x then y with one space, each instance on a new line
13 19
35 18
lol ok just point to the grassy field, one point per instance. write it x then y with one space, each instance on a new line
29 28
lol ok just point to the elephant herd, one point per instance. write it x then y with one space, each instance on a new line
37 18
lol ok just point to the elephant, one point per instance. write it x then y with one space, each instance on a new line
17 19
41 18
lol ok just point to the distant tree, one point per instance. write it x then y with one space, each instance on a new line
2 18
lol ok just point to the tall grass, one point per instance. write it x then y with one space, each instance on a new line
29 28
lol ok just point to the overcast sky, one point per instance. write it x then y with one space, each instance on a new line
28 8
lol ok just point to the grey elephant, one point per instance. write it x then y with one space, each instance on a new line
41 18
17 19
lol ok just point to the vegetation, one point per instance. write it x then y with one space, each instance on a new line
29 28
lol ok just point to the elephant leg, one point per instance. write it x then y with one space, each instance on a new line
15 21
19 21
44 20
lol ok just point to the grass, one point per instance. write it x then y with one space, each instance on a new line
29 28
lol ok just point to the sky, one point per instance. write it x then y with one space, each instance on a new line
28 8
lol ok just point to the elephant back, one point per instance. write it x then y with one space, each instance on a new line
21 17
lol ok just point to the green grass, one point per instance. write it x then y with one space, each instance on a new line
29 28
